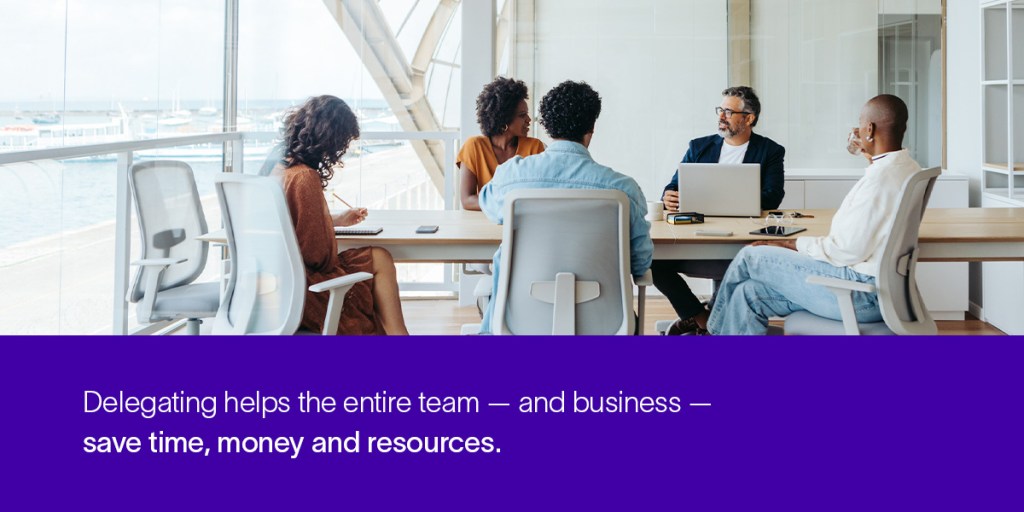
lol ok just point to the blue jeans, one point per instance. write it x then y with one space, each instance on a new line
767 281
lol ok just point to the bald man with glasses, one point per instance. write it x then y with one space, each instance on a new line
735 143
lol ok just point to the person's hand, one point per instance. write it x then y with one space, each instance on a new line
350 217
785 244
671 200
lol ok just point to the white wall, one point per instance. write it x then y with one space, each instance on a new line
814 65
659 65
963 104
963 92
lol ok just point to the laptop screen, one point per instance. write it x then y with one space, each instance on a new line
720 190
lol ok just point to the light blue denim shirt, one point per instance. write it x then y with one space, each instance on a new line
567 165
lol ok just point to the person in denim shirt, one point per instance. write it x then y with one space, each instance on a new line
568 113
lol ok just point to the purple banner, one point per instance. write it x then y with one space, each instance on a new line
483 423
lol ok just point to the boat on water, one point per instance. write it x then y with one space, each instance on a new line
27 137
18 137
176 118
46 118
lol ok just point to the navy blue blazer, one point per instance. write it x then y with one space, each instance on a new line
761 150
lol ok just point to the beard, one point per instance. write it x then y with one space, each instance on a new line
726 131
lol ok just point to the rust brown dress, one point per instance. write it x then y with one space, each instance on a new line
314 230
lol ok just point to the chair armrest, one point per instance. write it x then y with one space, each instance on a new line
144 312
337 287
645 280
158 262
843 290
348 280
842 284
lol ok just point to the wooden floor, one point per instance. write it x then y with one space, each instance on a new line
444 316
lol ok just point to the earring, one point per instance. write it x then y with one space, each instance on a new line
870 139
505 129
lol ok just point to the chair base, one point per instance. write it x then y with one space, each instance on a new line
482 293
192 326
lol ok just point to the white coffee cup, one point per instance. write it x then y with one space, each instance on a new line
655 210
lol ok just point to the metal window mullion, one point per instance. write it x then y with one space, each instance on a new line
406 20
230 106
451 143
122 243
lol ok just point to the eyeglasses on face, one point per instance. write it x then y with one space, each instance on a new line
729 112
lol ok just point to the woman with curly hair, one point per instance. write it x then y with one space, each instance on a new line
504 121
316 136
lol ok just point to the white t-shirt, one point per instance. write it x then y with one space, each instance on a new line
733 154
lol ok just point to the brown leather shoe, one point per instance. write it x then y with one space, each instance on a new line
683 327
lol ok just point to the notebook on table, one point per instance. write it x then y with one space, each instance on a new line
357 230
721 190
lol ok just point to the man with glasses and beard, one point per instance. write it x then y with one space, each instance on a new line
735 143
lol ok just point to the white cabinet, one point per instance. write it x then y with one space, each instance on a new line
1002 284
826 193
794 199
944 286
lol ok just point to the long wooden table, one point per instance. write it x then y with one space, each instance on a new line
951 234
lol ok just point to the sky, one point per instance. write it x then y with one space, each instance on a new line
172 50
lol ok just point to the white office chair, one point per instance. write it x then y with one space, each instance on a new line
903 310
170 217
565 264
266 289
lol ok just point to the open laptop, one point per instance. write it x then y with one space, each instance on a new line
720 190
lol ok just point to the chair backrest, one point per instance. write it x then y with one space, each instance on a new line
552 231
265 292
902 307
170 218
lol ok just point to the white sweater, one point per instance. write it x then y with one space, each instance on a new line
861 224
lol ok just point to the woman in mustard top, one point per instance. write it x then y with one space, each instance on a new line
504 121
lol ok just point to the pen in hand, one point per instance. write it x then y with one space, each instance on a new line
336 196
360 213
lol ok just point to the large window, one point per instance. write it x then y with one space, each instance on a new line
395 62
83 73
89 75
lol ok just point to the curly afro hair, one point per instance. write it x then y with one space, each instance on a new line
750 101
496 105
570 110
318 133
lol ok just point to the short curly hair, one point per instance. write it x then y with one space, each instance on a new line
496 104
318 133
749 98
570 110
